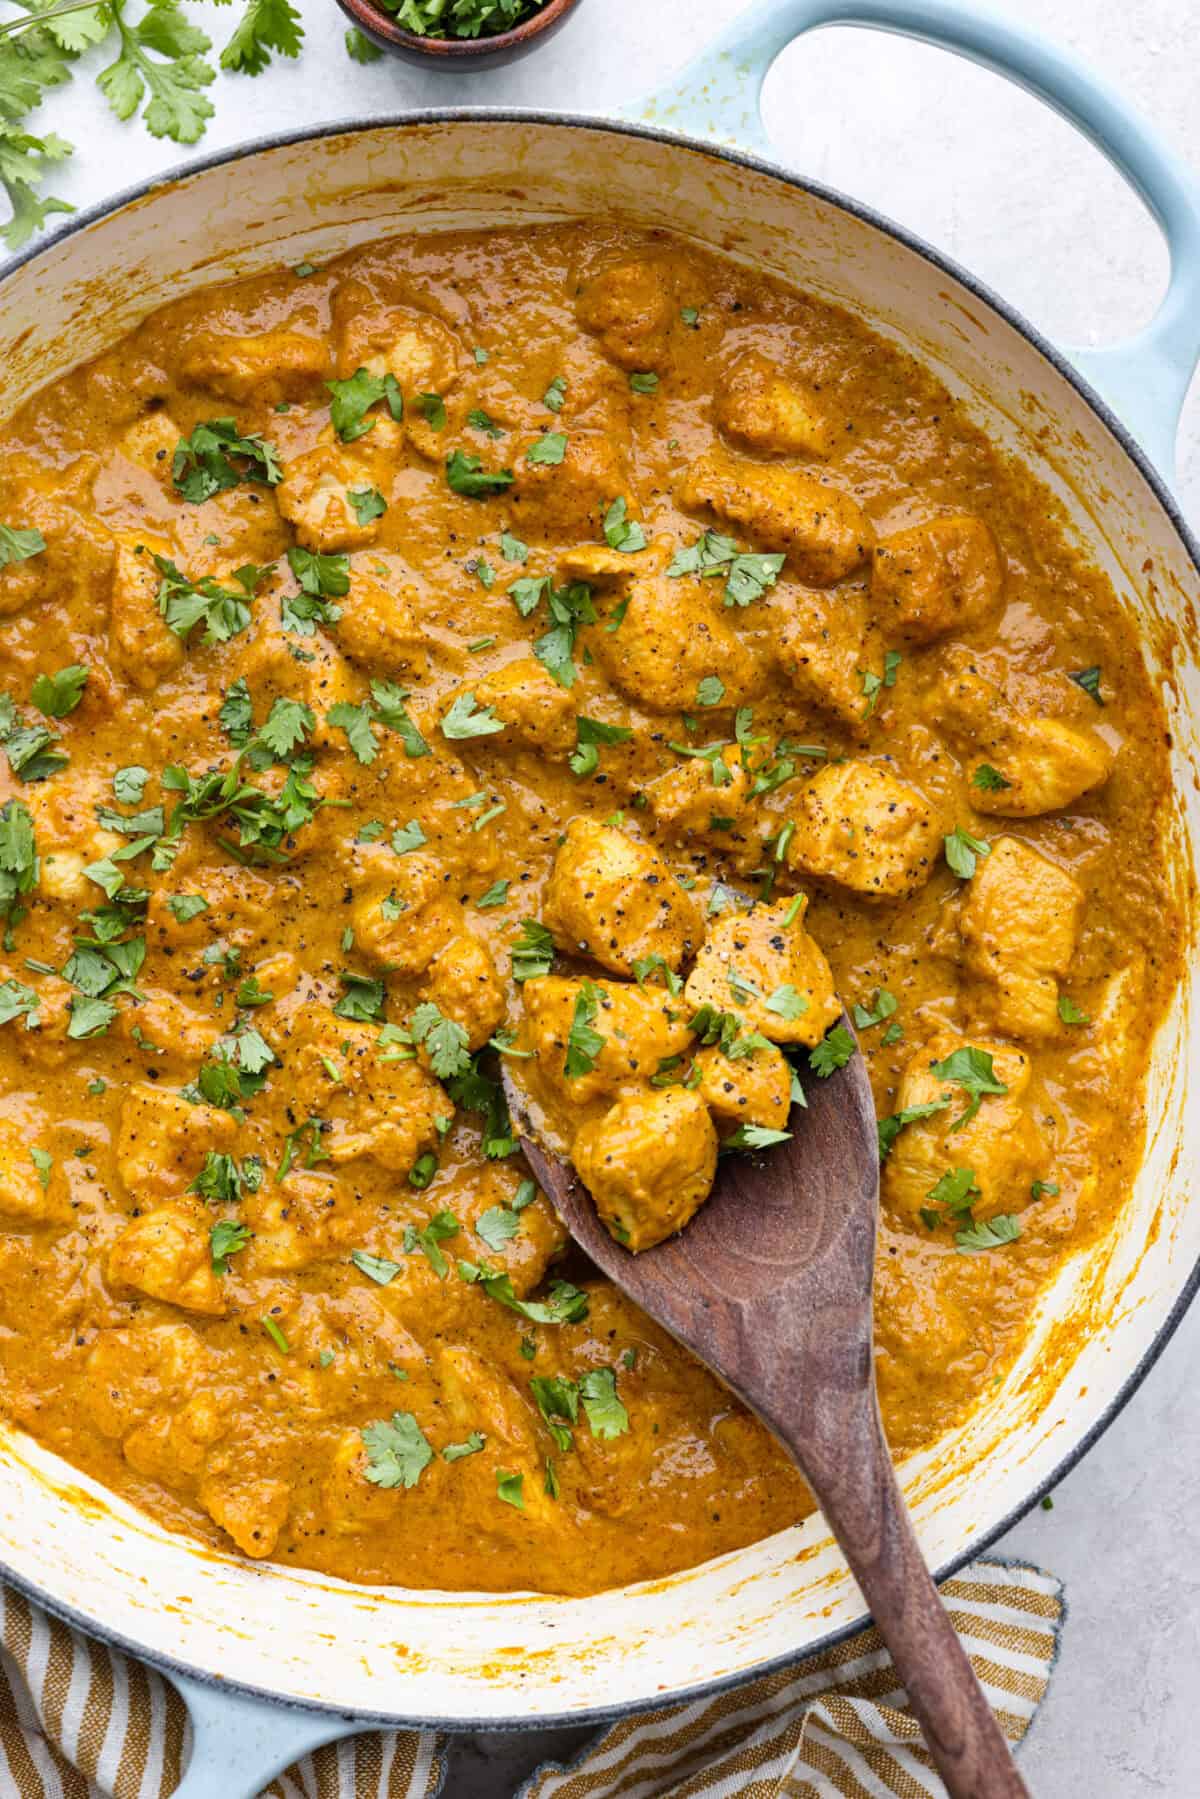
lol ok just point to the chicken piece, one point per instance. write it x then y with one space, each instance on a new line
945 575
540 1238
132 1374
68 837
476 1395
379 629
267 367
314 495
463 984
405 910
758 407
28 1196
638 1030
171 1445
824 533
372 1107
167 1029
1019 925
142 648
568 498
670 636
746 1089
73 573
1001 1145
252 1510
823 644
648 1163
630 307
318 675
46 1044
770 972
166 1254
424 354
861 827
617 900
537 712
687 800
303 1219
162 1140
1043 764
600 566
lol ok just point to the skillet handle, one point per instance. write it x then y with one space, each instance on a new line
1145 379
240 1743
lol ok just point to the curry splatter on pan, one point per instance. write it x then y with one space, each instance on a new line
238 1636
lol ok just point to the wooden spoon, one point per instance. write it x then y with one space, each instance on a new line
770 1285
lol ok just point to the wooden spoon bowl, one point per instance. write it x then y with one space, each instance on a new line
770 1285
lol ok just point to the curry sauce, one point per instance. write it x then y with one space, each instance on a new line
564 645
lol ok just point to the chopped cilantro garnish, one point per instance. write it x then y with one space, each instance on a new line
583 1043
963 852
353 399
466 475
216 457
397 1451
58 694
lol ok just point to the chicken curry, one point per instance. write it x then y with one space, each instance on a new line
566 646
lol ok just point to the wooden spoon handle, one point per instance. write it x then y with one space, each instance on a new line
858 1492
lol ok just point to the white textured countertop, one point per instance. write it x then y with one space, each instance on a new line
1009 190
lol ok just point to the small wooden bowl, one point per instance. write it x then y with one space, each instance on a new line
457 54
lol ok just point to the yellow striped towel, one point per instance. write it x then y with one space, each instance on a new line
80 1721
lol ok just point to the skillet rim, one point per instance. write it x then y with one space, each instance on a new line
617 127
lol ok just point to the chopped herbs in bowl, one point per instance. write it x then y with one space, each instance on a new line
458 33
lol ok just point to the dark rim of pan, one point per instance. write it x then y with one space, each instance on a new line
604 1714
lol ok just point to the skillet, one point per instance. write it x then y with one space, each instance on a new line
270 1660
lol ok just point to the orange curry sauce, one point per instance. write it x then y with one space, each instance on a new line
293 743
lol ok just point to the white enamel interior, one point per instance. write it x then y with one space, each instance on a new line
441 1657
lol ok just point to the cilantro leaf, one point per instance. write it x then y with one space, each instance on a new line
56 695
532 951
1070 1013
409 837
17 545
747 575
957 1190
567 1304
266 25
185 603
972 1070
471 1445
355 721
162 60
755 1136
989 779
288 724
353 399
883 1004
509 1488
1089 680
833 1051
361 49
890 1128
397 1451
445 1041
787 1002
204 465
549 449
376 1268
605 1413
583 1043
466 475
391 711
620 531
368 503
363 999
963 852
991 1233
225 1238
236 715
497 1226
466 718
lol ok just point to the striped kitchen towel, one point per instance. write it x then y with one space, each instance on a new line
80 1721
